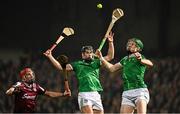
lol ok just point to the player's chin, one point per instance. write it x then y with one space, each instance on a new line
90 58
132 50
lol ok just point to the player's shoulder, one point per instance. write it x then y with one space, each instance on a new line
143 56
18 83
124 58
77 62
36 84
96 60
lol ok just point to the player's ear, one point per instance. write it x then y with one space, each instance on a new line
82 54
139 49
34 76
23 78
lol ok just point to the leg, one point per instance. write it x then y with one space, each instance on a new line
85 105
142 101
97 104
90 102
87 109
126 109
98 111
141 106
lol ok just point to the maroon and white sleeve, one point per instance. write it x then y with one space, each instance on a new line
40 89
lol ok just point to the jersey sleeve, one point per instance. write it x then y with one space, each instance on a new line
74 65
16 84
122 61
143 57
40 89
98 61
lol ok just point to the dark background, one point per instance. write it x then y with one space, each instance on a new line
36 24
30 27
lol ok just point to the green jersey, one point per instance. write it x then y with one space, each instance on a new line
133 73
87 75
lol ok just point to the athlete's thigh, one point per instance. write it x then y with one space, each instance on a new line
87 109
142 100
141 106
98 111
85 105
97 103
126 109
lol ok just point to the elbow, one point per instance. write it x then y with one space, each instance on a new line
147 63
59 68
151 65
111 69
112 57
109 58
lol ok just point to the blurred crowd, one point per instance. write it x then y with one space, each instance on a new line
163 81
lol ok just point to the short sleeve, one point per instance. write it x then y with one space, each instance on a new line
98 61
74 64
143 57
122 61
16 84
40 89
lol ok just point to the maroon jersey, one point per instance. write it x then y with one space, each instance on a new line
25 99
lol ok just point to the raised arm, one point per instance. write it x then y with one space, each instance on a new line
109 66
48 54
110 54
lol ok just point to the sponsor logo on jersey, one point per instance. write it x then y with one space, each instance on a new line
26 96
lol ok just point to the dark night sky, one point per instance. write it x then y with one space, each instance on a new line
35 24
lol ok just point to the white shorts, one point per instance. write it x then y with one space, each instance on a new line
90 98
130 97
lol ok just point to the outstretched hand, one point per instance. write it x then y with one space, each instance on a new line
47 53
67 93
110 36
99 54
